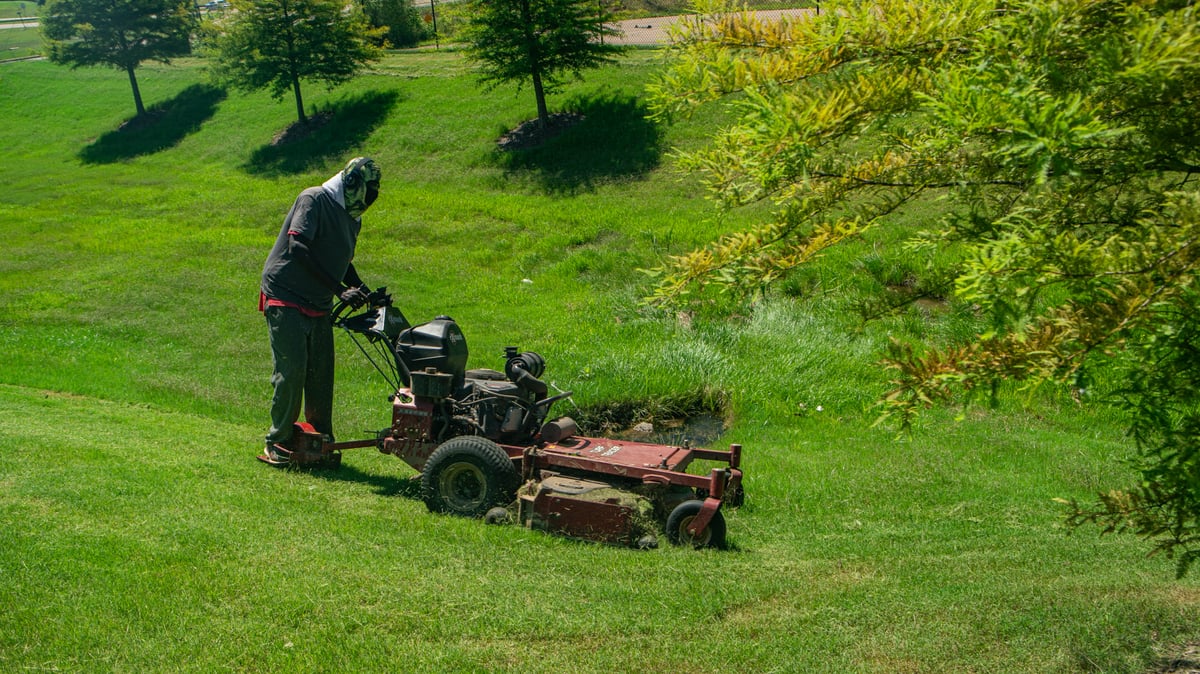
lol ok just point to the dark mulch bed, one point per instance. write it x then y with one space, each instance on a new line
297 131
143 121
531 134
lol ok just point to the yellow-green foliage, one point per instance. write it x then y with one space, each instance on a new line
1061 138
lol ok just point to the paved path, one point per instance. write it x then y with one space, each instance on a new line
656 30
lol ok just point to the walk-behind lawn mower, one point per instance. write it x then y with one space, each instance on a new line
486 446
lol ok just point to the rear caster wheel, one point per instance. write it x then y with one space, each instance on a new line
497 515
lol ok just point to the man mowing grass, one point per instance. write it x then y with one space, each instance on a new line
310 264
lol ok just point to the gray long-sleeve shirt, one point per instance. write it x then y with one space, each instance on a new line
331 234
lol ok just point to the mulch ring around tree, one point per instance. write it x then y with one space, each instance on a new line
142 121
530 134
297 131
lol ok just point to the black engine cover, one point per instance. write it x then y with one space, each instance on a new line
439 344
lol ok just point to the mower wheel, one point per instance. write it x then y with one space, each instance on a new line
497 515
467 476
681 517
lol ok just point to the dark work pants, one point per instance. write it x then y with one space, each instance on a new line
302 347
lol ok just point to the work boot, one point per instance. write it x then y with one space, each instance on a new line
275 455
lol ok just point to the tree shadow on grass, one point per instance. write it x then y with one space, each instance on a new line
614 141
163 126
330 134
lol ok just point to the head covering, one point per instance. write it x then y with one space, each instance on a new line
349 187
360 185
333 187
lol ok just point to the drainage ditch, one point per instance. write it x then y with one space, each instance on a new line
696 422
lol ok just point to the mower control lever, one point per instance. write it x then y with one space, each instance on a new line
338 307
375 298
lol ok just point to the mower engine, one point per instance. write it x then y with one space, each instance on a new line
446 401
436 397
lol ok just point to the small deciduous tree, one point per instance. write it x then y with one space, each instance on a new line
117 33
538 42
276 44
1063 140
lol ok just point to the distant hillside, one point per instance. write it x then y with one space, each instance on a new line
14 10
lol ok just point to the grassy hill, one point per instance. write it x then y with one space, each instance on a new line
19 38
140 534
16 9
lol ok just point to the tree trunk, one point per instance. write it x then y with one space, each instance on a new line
540 93
535 64
137 94
299 101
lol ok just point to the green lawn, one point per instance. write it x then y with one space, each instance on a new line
141 535
19 43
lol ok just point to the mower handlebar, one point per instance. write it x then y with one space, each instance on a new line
375 298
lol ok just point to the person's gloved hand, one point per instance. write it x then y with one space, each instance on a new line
355 297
